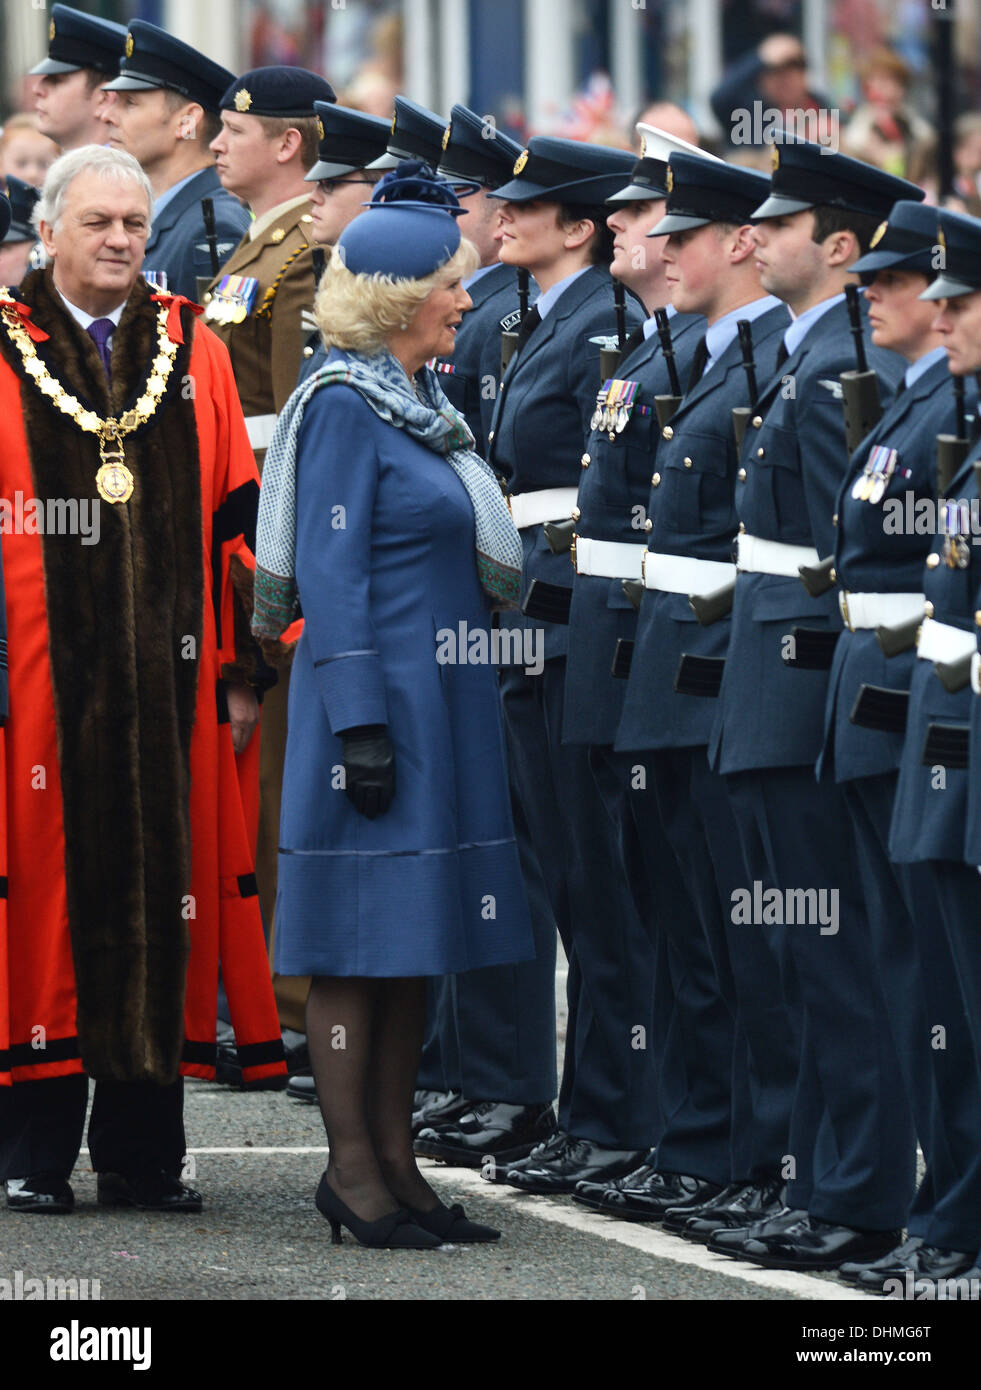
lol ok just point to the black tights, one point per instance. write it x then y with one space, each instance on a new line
365 1038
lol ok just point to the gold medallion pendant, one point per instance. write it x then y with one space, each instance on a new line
114 482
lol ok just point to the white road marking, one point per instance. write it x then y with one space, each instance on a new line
648 1239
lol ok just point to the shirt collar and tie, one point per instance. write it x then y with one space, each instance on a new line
99 330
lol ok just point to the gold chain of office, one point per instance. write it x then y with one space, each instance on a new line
114 480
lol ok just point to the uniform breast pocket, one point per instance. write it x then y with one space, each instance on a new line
773 471
696 480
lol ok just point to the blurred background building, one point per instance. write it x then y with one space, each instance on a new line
565 66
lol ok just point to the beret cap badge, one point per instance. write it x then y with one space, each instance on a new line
243 99
880 232
521 161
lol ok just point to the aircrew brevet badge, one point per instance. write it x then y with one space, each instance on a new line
880 232
520 162
129 45
446 134
243 99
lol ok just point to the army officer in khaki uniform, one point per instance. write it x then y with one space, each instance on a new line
258 306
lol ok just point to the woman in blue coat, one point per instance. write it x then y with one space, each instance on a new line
397 855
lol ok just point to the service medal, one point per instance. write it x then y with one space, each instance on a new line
858 485
878 490
597 416
868 483
623 419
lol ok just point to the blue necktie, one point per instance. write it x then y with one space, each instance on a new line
100 331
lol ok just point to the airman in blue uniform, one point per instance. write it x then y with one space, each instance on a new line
850 1155
84 52
161 80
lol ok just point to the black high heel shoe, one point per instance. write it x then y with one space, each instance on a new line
396 1230
453 1225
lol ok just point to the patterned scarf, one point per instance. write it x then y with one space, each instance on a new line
383 383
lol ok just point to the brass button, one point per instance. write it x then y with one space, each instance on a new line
576 513
759 452
742 528
833 576
741 475
667 432
655 480
834 519
928 610
687 463
585 460
977 617
932 560
757 421
308 352
648 525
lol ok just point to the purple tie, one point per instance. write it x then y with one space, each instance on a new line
100 331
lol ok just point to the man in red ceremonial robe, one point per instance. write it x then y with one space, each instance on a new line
128 788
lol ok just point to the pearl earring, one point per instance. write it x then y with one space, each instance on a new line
404 326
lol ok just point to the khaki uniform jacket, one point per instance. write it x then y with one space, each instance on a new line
266 348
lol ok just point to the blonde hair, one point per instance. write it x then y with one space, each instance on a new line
358 312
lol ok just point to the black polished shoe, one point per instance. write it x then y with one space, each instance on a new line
440 1108
40 1192
490 1130
452 1225
815 1244
396 1230
916 1272
754 1203
675 1219
591 1194
578 1160
301 1086
661 1193
297 1051
156 1191
851 1269
723 1242
497 1173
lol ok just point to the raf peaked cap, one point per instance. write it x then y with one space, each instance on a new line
958 247
700 192
806 175
155 59
22 198
77 40
475 149
650 174
349 140
416 133
567 171
906 241
277 91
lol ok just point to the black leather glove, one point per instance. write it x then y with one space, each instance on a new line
369 769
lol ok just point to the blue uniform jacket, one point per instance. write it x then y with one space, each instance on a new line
470 377
177 244
931 807
541 419
769 714
874 556
616 477
692 507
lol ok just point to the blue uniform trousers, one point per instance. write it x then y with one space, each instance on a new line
608 1092
919 980
851 1135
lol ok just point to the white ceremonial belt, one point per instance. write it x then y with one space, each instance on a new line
759 556
682 574
941 642
609 559
879 610
260 428
550 504
976 673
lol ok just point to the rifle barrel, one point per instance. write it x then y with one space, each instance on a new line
744 328
667 348
855 316
211 235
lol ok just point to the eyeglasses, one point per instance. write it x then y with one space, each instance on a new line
328 185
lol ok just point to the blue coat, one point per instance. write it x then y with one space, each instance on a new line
870 559
692 508
769 714
470 377
615 480
541 419
929 816
177 243
386 571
